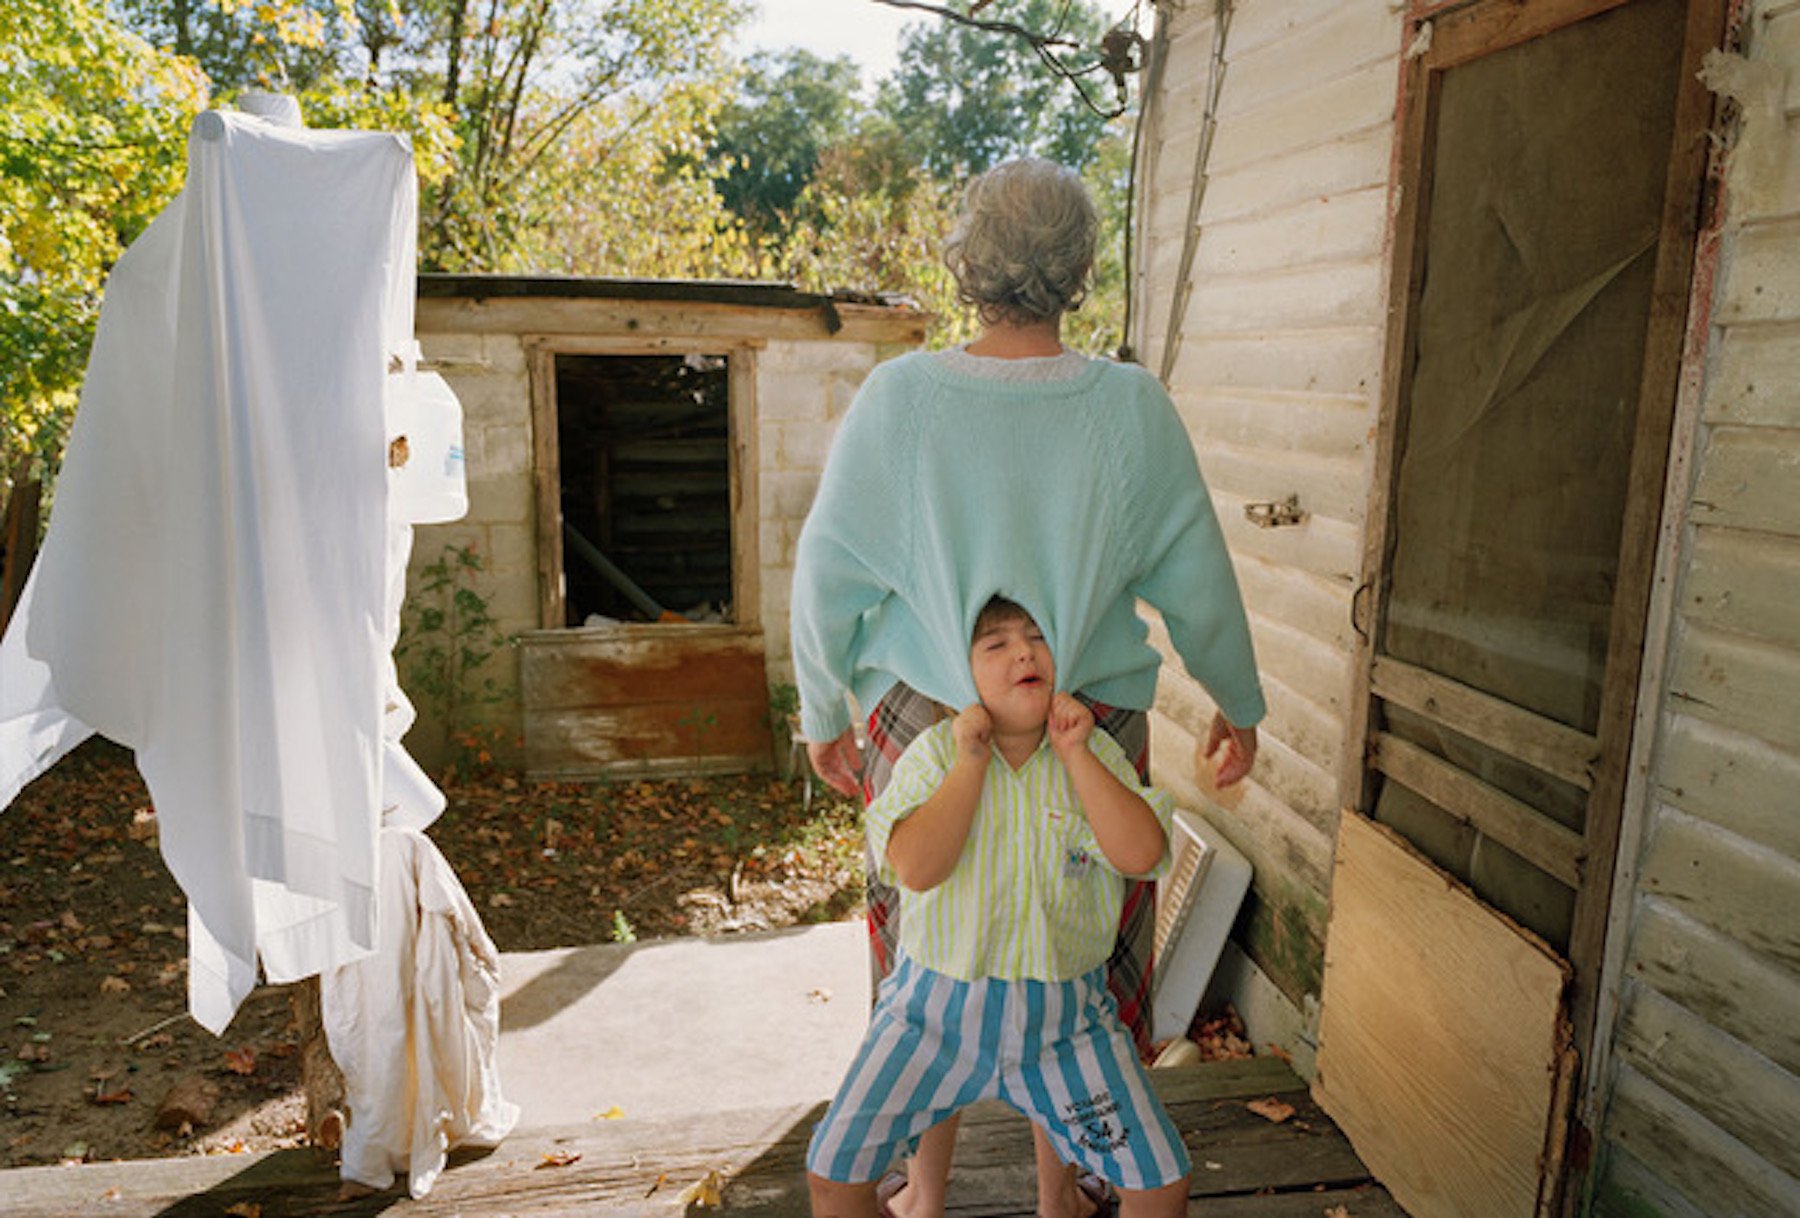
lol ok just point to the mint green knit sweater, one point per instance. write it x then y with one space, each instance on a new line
1073 498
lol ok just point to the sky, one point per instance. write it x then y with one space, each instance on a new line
866 31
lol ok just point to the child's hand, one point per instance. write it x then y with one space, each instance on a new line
1070 725
973 732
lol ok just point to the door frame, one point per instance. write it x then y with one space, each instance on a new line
541 352
1460 33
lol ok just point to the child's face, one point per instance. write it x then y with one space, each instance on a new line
1014 674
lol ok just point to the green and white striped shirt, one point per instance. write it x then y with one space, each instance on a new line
1032 896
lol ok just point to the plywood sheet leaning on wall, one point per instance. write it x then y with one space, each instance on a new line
1450 1081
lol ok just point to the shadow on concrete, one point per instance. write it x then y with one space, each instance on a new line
580 971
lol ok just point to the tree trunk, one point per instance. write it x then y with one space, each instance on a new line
319 1074
18 541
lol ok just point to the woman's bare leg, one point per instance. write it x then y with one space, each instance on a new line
1058 1194
1169 1201
928 1173
833 1200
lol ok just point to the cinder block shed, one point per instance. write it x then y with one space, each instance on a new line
641 455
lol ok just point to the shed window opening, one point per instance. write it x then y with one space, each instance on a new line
644 447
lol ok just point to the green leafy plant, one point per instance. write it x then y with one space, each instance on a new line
699 723
784 700
446 641
622 929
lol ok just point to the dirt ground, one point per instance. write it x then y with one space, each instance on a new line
93 951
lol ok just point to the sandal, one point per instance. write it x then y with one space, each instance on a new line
1106 1201
886 1189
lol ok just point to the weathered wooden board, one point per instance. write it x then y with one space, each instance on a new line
1764 284
1319 228
1312 730
1443 1078
1343 364
1739 682
595 316
1746 582
1757 380
1354 160
1335 487
1553 747
1748 476
1304 298
1730 1084
1330 549
1733 988
630 1168
1629 1188
1512 823
635 665
644 699
1340 40
1744 890
1260 23
1716 1173
1283 845
1345 103
1733 780
1319 607
1324 424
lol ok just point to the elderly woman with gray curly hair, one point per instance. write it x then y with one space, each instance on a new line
1013 467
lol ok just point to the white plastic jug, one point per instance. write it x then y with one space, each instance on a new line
427 481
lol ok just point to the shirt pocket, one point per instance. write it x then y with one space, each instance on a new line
1071 875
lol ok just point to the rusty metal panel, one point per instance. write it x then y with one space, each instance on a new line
644 699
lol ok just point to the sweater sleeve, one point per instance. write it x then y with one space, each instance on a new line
1184 567
843 563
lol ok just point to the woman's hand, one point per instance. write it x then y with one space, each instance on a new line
1239 752
837 763
1070 724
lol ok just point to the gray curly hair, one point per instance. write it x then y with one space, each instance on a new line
1024 242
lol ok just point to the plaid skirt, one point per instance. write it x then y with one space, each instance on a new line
896 720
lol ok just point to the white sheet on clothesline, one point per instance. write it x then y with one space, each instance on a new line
213 587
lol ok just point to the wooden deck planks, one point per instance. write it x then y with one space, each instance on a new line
1244 1167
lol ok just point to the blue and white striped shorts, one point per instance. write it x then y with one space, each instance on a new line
1055 1050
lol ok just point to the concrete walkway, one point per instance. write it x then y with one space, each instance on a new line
678 1026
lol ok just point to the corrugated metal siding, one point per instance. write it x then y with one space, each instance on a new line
1705 1102
1276 375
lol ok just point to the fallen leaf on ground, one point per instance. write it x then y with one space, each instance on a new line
611 1114
240 1061
121 1096
1271 1109
704 1192
245 1209
115 985
1338 1211
143 825
559 1158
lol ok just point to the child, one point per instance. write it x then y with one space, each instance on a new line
1011 876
